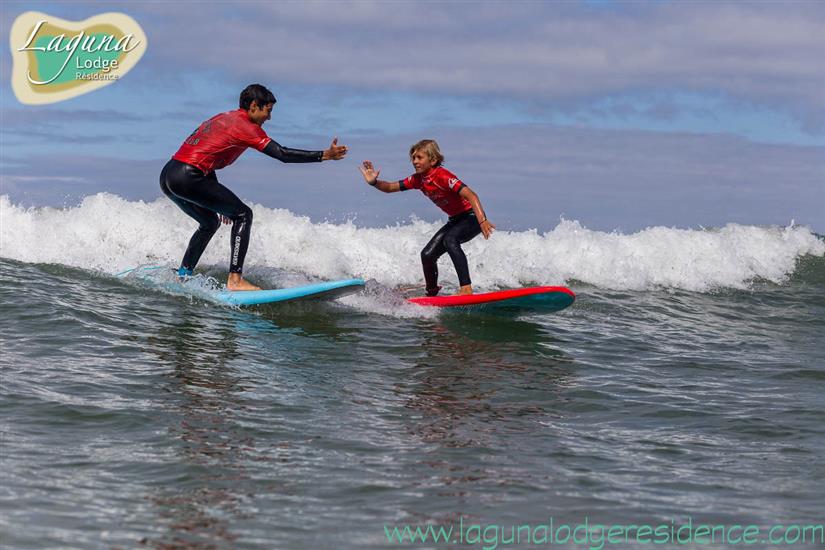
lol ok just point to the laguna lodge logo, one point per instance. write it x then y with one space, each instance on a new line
55 59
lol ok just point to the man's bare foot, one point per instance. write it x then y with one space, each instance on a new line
236 282
464 290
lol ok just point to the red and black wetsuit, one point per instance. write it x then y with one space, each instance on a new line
189 180
442 187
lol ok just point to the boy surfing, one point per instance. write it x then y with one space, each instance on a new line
189 179
466 215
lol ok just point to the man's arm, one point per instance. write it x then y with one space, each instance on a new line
285 154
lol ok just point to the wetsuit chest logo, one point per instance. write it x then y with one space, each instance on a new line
199 131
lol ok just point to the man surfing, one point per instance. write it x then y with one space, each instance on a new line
189 179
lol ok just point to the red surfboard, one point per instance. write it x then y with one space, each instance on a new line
538 298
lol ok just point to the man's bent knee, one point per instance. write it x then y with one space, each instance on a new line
244 215
211 225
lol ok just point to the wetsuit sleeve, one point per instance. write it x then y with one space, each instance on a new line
285 154
408 183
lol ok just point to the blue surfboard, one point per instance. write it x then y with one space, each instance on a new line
329 290
318 291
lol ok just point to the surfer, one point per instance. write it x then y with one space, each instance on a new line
189 179
466 216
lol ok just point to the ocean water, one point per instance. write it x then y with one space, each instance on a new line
686 384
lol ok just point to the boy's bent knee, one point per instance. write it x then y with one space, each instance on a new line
452 244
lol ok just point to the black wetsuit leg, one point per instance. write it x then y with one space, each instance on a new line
203 197
459 229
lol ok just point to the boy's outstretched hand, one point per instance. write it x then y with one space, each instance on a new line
369 172
335 151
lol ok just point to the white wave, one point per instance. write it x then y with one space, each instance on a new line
111 234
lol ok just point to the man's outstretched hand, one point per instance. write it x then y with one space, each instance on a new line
335 151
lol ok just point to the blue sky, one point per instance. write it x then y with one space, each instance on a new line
619 114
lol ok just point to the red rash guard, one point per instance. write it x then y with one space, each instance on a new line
442 187
219 141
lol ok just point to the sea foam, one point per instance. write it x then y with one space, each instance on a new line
110 234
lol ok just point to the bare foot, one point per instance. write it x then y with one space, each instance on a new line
236 282
464 290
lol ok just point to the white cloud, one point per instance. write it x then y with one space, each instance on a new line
764 53
545 56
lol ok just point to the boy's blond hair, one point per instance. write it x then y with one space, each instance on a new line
430 147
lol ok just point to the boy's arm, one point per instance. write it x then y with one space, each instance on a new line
371 177
478 210
386 186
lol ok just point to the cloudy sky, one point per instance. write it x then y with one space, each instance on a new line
621 115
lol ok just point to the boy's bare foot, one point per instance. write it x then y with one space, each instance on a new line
236 282
464 290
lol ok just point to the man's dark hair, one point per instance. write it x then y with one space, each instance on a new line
257 93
